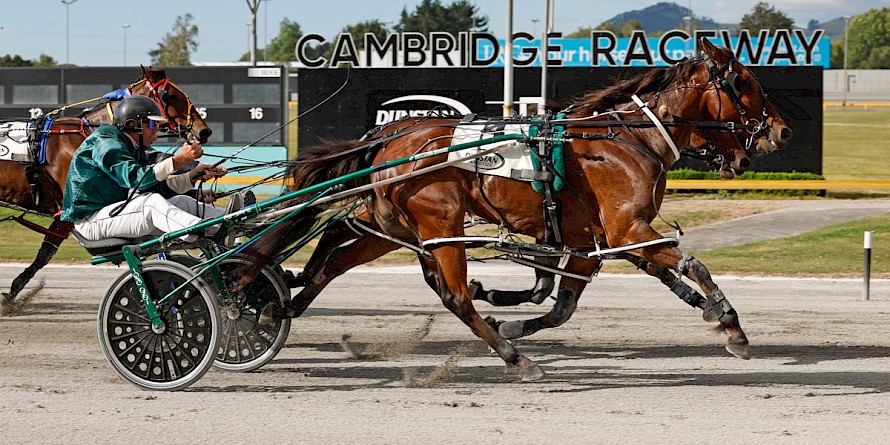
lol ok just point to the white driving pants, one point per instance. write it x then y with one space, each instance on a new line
147 215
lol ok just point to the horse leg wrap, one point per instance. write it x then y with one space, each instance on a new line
686 292
46 252
565 306
512 298
561 312
717 306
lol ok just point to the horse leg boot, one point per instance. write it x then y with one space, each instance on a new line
47 250
674 282
543 287
715 306
566 303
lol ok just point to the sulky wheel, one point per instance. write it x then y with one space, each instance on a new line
170 358
244 344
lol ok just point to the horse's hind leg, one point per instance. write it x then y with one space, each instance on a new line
48 248
566 302
365 249
714 304
332 238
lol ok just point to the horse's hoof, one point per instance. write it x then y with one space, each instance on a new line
739 349
271 314
529 371
476 290
512 329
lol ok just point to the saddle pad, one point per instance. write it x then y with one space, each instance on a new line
500 163
14 142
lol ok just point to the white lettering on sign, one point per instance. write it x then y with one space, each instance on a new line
264 72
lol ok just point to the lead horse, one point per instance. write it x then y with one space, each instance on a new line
63 136
615 179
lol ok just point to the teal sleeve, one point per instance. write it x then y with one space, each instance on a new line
118 162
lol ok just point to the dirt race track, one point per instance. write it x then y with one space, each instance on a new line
634 365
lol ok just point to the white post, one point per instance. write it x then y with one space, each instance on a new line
508 63
545 42
866 276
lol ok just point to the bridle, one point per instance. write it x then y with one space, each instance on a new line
158 93
725 78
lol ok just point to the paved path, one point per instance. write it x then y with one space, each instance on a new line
795 217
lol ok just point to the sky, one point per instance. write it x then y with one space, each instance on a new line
92 32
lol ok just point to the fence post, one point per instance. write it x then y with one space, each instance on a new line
867 270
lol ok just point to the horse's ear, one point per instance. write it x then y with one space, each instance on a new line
144 72
710 49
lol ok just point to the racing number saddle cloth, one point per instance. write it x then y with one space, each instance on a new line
517 162
14 144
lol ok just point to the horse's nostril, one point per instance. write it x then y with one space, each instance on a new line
744 163
204 134
786 134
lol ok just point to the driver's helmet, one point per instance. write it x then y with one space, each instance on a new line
132 110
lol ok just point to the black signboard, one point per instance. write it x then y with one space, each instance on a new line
375 96
240 104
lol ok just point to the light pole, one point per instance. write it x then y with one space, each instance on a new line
125 26
688 21
67 3
265 28
846 79
535 27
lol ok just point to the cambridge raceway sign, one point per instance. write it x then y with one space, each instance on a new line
782 47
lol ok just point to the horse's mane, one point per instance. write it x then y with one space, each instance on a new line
619 93
325 162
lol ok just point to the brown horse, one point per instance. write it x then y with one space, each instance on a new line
615 183
62 139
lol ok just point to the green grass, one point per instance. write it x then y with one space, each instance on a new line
856 144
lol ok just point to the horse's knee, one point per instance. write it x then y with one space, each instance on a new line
543 287
566 302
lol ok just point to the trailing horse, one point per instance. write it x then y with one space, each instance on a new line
614 175
37 186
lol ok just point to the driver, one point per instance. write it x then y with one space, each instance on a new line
114 191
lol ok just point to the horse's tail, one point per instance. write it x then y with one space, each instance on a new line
314 166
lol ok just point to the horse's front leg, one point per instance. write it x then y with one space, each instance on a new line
544 283
47 249
452 266
714 304
566 302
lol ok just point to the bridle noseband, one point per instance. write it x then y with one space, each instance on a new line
158 93
725 78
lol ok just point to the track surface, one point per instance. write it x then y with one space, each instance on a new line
634 365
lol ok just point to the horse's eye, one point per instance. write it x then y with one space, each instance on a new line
742 84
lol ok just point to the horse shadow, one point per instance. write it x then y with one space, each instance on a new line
565 377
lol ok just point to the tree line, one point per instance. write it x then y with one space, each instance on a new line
868 46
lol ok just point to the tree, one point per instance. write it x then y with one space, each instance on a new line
281 48
869 45
177 45
17 60
431 16
765 16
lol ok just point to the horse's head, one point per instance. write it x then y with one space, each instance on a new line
181 114
723 151
738 97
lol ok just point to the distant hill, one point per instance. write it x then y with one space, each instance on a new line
665 16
